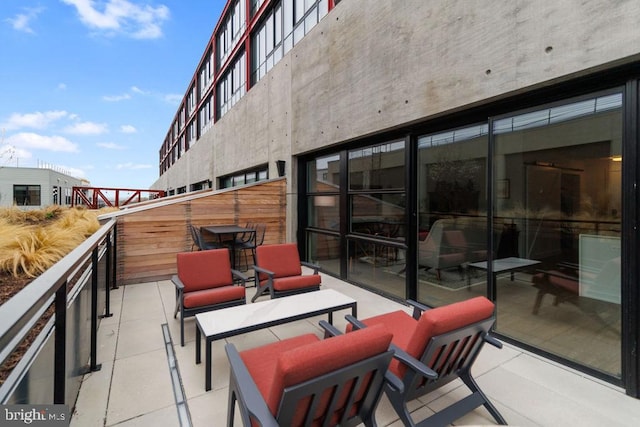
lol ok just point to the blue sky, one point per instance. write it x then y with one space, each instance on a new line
90 87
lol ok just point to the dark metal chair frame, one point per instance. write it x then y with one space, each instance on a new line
239 280
199 242
243 390
250 241
278 294
453 355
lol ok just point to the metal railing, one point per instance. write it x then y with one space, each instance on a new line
52 366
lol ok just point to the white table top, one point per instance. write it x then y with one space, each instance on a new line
257 313
505 264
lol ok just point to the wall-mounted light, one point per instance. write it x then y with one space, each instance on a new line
280 166
616 158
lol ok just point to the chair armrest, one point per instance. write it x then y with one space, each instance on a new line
315 267
418 308
243 278
177 283
493 341
413 363
355 322
264 271
248 393
329 329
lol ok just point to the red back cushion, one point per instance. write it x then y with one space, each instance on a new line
283 259
445 319
204 269
312 360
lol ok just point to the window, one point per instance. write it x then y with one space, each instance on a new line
557 202
206 116
282 27
206 74
26 195
191 101
246 177
452 211
230 31
232 86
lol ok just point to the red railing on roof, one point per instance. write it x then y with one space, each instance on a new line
98 197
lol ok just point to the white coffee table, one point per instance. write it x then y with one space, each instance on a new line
228 322
503 265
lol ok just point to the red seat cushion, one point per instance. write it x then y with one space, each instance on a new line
296 282
282 259
204 269
213 296
293 361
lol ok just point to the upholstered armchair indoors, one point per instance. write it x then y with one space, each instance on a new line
205 281
279 271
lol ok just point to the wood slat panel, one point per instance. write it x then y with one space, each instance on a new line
149 239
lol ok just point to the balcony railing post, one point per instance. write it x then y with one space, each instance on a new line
94 310
114 276
108 278
60 346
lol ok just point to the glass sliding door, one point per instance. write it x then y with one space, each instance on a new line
377 211
452 214
557 213
323 207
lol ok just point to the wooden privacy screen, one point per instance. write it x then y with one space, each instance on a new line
150 237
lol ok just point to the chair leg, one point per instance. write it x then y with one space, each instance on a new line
473 386
182 328
400 407
231 407
538 302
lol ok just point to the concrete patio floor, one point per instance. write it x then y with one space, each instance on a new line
135 387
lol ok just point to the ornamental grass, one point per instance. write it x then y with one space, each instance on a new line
32 241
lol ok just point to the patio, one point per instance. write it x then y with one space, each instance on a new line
135 387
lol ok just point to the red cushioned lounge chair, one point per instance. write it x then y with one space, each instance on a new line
279 271
205 281
432 348
306 381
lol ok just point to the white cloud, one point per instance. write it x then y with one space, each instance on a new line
173 98
116 98
128 129
133 166
87 128
123 17
136 89
62 86
35 120
28 140
22 21
111 146
11 156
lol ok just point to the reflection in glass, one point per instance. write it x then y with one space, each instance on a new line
377 167
324 250
557 202
378 214
452 224
378 266
324 212
324 174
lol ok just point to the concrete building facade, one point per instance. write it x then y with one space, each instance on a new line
422 139
35 188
